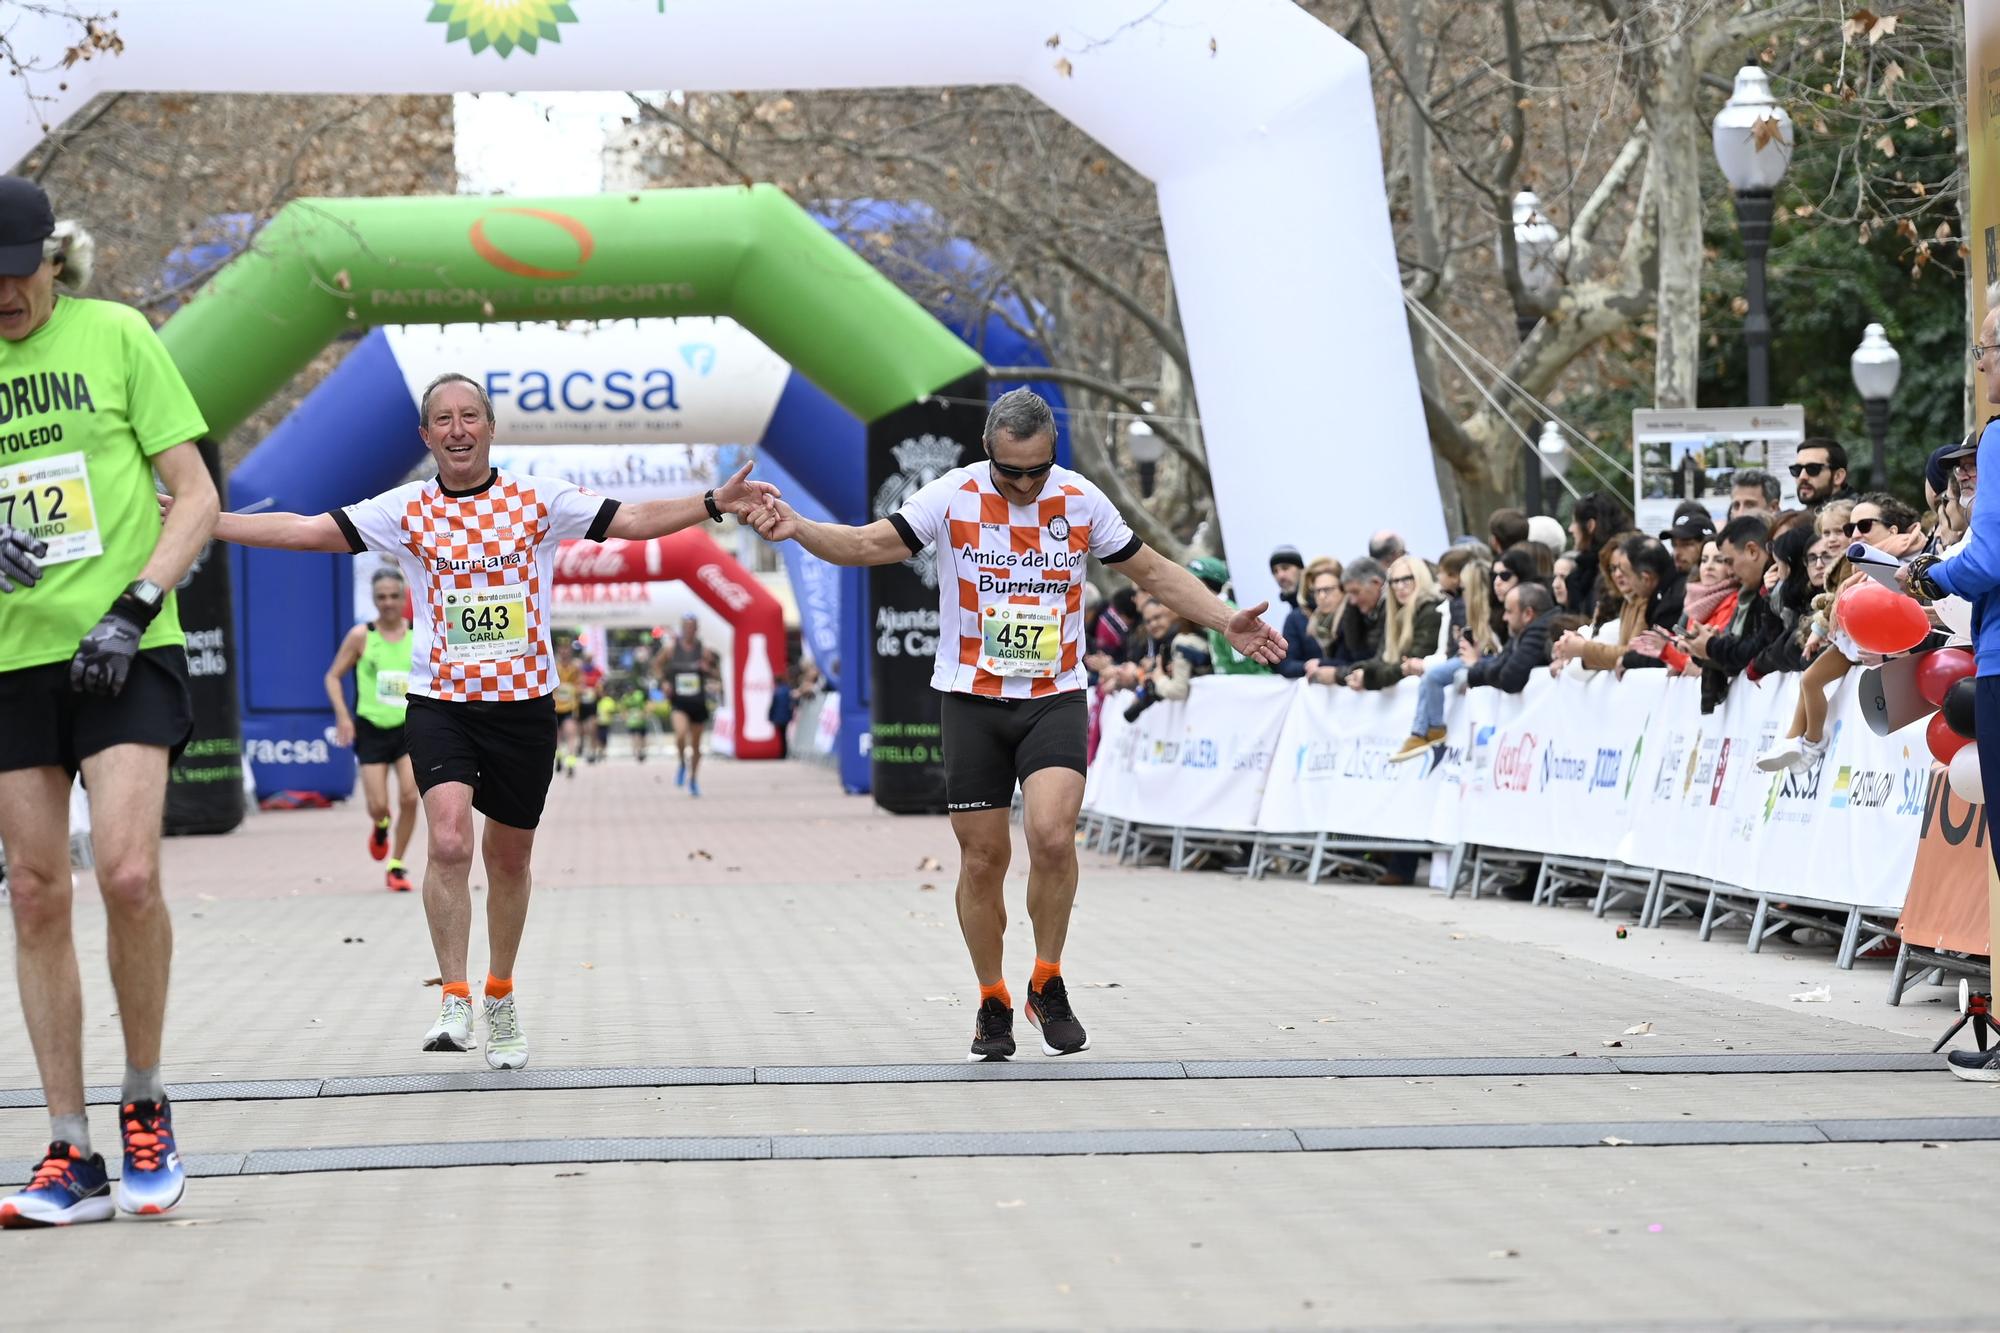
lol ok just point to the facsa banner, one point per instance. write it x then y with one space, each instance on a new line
1591 766
651 381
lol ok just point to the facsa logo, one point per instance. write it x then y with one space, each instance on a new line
286 751
581 391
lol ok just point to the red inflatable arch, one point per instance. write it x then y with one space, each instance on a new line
692 557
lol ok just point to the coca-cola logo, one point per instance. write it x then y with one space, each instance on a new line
737 598
1514 764
587 561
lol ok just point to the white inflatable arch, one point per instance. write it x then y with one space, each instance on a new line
1255 121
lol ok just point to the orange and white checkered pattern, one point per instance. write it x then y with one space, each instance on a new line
990 550
504 535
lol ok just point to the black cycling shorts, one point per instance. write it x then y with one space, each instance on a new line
695 706
46 724
991 744
505 752
378 745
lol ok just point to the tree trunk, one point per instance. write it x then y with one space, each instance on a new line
1668 97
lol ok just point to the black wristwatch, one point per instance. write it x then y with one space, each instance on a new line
708 498
142 600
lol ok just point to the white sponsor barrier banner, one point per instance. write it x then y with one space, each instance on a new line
1589 766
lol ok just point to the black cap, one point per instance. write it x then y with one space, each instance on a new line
26 220
1287 555
1689 527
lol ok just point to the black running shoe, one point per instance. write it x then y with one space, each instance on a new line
1977 1066
1048 1009
993 1034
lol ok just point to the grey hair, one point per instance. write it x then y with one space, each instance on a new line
72 247
1764 481
451 377
1022 413
1361 569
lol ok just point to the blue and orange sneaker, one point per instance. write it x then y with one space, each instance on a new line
67 1187
152 1181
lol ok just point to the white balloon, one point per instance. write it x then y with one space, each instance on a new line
1956 613
1963 774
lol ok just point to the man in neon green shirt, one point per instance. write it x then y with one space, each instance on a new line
378 653
93 678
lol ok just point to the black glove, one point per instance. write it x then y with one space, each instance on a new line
105 655
19 558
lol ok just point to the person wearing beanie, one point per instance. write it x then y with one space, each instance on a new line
1548 532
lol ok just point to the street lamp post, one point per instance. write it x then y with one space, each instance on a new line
1147 451
1535 242
1876 368
1753 145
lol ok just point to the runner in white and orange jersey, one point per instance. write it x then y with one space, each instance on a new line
478 548
1012 536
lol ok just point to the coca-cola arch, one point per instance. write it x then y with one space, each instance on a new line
692 557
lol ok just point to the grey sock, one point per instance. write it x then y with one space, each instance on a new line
71 1129
142 1085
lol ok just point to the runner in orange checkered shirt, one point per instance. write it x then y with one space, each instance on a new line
1012 534
478 548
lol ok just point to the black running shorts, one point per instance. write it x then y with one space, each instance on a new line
990 744
45 724
695 706
378 745
505 752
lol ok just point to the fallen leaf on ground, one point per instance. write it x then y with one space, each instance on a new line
1503 1254
930 863
1638 1030
570 1175
1457 936
1328 1019
927 888
1285 1027
1613 1141
1614 1043
433 981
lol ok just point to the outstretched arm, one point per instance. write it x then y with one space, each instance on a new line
879 543
1188 597
280 532
658 518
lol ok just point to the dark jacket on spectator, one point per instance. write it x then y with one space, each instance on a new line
1300 647
1358 636
1756 628
1509 669
1426 629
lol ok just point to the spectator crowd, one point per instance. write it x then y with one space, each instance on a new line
1753 597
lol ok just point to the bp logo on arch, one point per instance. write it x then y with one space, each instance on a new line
504 25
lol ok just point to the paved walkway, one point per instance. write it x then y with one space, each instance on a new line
748 1107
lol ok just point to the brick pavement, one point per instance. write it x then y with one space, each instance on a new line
807 936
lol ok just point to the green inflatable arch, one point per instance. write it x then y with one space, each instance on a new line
325 266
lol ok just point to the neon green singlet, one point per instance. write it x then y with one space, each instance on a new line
382 678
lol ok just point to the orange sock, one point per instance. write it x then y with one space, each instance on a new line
997 991
458 988
1043 971
498 988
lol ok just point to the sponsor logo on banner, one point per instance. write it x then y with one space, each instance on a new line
506 26
1357 757
1558 767
1514 763
1794 794
1715 788
1861 789
919 462
1916 783
1638 748
487 249
1670 767
1605 776
1701 770
261 751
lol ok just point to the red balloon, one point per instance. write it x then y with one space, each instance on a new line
1937 672
1881 620
1944 742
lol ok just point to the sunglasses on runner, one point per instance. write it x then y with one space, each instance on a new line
1806 469
1038 470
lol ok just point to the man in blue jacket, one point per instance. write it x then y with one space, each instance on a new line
1974 574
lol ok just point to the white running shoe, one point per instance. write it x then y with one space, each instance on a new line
1787 754
453 1030
506 1044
